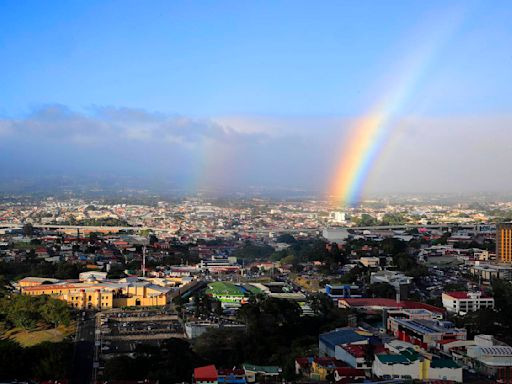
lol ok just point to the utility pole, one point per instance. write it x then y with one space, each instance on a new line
144 261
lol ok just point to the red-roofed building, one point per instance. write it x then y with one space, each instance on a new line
231 376
461 302
354 355
303 366
348 375
206 375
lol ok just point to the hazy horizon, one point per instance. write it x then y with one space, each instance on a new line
230 97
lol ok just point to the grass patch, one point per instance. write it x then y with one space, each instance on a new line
24 246
222 288
29 338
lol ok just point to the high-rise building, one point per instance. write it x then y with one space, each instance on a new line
504 242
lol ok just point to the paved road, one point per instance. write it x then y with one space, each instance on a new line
84 351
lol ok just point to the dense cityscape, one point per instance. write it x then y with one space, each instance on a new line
204 290
255 192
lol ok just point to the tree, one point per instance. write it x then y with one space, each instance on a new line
56 312
153 239
22 311
290 259
93 237
393 219
252 252
366 220
286 238
28 229
122 368
26 311
381 290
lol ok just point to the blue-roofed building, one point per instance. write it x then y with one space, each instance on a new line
231 376
342 291
327 342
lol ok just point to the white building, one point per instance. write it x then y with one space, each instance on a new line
460 302
396 279
97 275
492 361
352 354
337 217
335 235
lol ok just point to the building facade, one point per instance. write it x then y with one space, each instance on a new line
464 302
427 334
104 294
504 243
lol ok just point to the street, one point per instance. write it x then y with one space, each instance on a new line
84 351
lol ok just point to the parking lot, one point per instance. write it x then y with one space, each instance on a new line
122 331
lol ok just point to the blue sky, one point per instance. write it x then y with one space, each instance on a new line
230 57
254 67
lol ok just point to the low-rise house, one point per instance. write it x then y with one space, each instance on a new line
357 355
370 262
206 375
345 375
410 364
231 376
303 366
323 367
336 292
328 342
262 373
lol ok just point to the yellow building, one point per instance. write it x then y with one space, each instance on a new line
504 243
321 367
103 294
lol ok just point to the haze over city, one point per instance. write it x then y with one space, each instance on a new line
230 95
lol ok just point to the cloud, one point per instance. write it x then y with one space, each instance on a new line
430 154
107 124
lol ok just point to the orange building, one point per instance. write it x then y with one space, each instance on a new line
101 294
504 243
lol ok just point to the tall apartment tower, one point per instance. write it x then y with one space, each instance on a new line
504 242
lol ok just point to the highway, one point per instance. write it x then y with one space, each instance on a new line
262 230
84 351
82 227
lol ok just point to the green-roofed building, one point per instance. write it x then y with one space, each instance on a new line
261 373
410 364
443 363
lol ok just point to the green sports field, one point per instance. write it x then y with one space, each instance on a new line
220 288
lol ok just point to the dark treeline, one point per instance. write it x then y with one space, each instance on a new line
41 362
16 271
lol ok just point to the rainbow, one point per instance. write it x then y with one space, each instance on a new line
368 137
